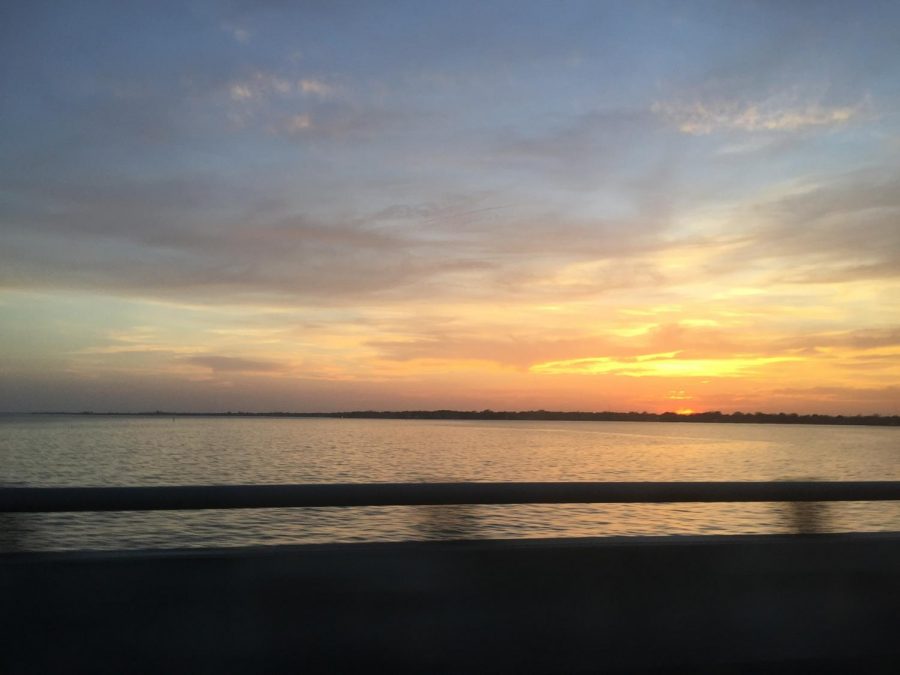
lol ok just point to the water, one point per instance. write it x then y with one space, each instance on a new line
109 451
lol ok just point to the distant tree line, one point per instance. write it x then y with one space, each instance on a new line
576 416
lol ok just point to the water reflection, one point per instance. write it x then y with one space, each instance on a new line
14 533
804 517
15 529
148 451
449 522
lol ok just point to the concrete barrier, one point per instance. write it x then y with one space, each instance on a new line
779 603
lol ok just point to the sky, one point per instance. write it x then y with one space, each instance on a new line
324 206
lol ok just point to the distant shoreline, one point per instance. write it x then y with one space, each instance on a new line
535 415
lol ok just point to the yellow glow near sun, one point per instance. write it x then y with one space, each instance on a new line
657 365
678 395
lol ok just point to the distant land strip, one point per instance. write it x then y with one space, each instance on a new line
547 415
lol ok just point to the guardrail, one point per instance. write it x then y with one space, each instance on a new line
195 497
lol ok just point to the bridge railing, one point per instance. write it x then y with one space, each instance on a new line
195 497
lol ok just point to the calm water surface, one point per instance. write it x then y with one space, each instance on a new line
108 451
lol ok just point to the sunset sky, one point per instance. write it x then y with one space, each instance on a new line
509 205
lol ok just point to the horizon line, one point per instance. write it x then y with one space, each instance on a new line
528 415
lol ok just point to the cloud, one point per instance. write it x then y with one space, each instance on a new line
240 92
839 229
338 123
260 86
859 339
661 365
526 348
238 33
241 35
298 123
137 245
244 238
279 104
519 352
682 349
597 149
234 364
315 87
773 115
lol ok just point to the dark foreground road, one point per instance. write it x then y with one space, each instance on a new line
815 603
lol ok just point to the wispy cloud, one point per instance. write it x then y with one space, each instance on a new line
240 92
234 364
841 228
262 85
774 115
297 123
240 34
316 87
661 365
